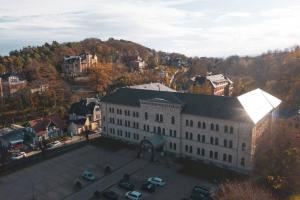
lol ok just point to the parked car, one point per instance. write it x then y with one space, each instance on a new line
149 187
88 175
201 193
54 144
133 195
126 185
18 155
156 181
108 194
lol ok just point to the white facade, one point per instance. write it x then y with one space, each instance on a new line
222 142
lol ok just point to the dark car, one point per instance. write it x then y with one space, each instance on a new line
201 193
126 185
110 195
149 187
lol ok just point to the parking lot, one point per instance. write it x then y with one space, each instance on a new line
55 179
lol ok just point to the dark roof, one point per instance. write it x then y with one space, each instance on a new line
40 125
82 108
78 121
289 112
221 107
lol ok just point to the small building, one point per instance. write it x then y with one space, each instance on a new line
289 119
86 109
11 84
46 127
136 63
218 84
79 126
74 66
12 137
39 87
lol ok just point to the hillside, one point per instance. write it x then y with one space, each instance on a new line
277 72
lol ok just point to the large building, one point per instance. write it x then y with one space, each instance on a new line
211 84
10 84
74 66
215 129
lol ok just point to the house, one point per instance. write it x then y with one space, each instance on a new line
46 127
77 127
136 63
86 109
217 130
39 87
74 66
152 86
289 119
218 84
12 137
10 84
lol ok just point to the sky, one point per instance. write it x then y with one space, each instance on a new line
216 28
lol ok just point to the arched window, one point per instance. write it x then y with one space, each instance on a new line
231 130
203 125
243 161
191 149
217 127
216 141
199 124
211 154
224 157
243 146
191 123
198 137
191 136
225 143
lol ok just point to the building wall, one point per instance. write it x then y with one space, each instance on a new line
231 144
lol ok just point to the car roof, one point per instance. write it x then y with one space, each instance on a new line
136 193
157 178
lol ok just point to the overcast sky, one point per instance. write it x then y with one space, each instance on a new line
192 27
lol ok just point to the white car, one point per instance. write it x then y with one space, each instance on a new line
55 144
156 181
19 155
133 195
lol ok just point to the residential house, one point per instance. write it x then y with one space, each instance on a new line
78 126
136 63
218 84
10 84
74 66
46 127
12 137
86 109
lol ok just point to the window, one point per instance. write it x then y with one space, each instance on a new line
212 126
217 127
146 116
224 157
243 147
202 152
191 149
186 135
161 119
191 136
231 130
171 133
173 120
171 145
174 133
199 124
157 117
225 143
191 123
198 137
163 131
174 146
186 148
230 158
216 141
211 154
137 114
211 140
198 151
154 129
243 161
225 129
203 138
144 127
158 130
204 125
230 144
216 155
186 122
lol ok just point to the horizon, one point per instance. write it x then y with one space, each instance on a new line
193 28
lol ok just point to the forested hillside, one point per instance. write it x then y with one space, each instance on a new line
277 72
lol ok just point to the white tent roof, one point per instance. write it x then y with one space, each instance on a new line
258 103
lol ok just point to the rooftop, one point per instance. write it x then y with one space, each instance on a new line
152 86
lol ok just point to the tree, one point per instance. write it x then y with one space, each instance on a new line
242 190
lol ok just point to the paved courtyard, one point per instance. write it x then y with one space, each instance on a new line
54 179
